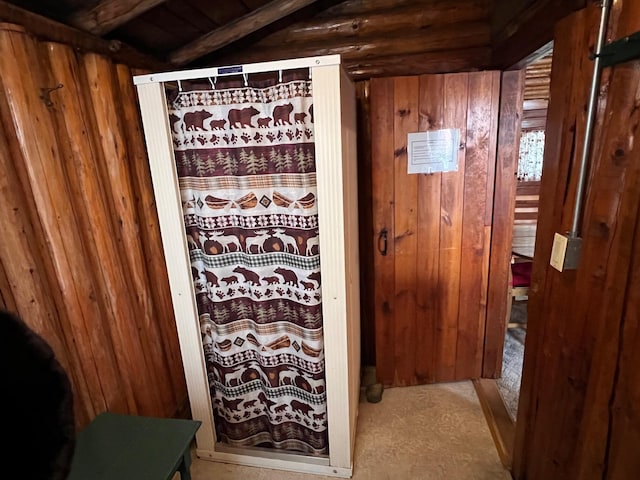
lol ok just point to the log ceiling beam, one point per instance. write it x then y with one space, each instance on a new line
402 44
446 61
51 30
108 15
235 30
375 23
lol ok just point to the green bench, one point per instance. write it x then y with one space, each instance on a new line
129 447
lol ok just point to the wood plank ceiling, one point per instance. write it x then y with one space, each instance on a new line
374 37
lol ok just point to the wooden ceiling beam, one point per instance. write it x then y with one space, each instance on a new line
108 15
525 36
46 29
236 29
380 22
401 44
446 61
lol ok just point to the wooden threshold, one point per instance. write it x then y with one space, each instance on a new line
516 325
502 428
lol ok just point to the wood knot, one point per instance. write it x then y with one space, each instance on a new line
115 46
386 308
400 151
403 112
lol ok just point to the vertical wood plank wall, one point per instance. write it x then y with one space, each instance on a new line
503 216
81 259
365 223
431 288
579 412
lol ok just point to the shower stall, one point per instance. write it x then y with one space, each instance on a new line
254 173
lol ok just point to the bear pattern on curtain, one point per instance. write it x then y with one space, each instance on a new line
245 159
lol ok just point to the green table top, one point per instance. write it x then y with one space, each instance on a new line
132 447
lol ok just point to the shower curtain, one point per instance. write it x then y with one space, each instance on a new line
244 151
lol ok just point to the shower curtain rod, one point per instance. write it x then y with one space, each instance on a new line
306 62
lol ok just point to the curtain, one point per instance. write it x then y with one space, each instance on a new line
246 165
530 156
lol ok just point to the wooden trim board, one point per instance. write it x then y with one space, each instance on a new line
502 428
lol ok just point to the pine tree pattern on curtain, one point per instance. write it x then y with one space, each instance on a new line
246 165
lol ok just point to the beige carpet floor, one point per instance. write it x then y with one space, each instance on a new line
429 432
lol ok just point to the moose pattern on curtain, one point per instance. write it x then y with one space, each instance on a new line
246 165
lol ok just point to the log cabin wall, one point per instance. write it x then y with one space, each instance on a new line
81 258
579 412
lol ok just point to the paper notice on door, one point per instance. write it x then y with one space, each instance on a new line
433 151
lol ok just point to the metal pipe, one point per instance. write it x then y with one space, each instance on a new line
591 114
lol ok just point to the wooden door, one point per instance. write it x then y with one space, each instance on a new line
430 287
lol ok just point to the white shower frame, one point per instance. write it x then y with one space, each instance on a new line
335 144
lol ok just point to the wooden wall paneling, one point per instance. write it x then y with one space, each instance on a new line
616 192
382 155
22 80
456 88
502 223
624 19
72 116
141 340
622 455
406 95
492 192
618 187
482 108
622 460
492 167
431 117
7 302
365 194
150 234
